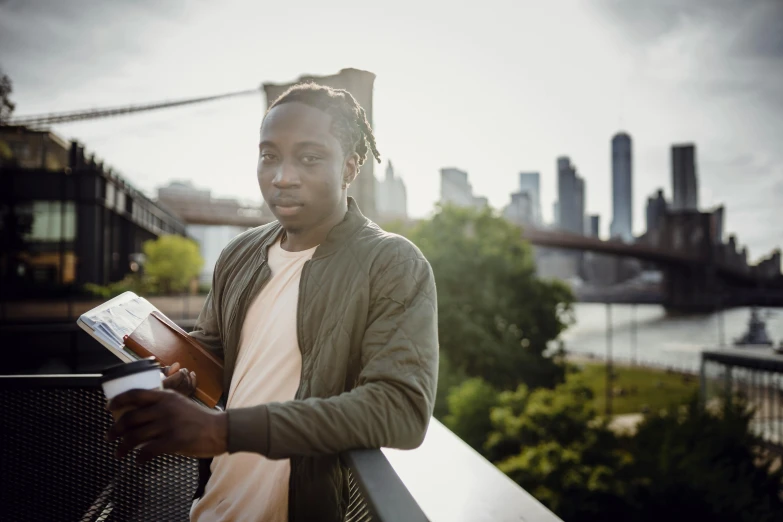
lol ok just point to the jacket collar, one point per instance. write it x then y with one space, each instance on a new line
340 234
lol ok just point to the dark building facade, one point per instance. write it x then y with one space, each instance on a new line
65 219
685 184
571 198
594 225
656 210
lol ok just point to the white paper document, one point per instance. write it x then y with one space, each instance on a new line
110 322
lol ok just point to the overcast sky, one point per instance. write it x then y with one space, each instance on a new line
494 90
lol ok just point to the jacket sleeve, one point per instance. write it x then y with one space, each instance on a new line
207 328
393 401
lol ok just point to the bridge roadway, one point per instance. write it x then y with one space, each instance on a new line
539 237
660 256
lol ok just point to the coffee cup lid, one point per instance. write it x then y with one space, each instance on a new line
125 369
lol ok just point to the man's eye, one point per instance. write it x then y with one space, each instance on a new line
266 156
309 158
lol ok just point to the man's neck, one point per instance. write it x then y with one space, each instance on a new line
300 240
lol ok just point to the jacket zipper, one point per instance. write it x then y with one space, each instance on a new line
300 323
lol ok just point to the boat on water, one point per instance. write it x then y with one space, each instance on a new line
756 335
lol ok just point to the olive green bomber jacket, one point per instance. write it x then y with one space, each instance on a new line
367 330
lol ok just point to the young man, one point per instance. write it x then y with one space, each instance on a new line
327 326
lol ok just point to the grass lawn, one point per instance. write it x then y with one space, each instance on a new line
636 388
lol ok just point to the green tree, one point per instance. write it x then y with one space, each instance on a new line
704 465
469 406
449 378
172 262
496 318
683 464
552 443
6 105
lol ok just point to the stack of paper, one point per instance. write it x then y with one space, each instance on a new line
110 322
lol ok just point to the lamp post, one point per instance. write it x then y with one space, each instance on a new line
608 359
633 334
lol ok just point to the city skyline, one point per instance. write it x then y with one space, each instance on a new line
631 61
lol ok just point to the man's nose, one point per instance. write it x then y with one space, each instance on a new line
286 176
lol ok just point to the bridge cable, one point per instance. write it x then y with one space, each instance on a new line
90 114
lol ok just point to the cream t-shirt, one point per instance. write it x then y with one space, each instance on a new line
247 486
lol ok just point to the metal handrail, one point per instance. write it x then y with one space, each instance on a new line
386 496
769 362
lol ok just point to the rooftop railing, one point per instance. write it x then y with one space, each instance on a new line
56 465
756 374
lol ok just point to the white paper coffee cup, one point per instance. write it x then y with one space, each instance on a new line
145 374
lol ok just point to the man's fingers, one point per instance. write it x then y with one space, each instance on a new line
175 380
193 380
174 368
135 399
152 449
132 420
139 436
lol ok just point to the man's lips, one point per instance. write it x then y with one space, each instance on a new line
287 208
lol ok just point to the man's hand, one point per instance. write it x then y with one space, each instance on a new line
180 380
166 422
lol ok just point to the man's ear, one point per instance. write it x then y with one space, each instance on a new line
351 169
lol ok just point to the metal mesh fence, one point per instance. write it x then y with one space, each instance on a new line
357 508
55 464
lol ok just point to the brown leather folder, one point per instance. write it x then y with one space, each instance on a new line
157 336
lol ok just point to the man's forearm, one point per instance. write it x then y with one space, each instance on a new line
371 416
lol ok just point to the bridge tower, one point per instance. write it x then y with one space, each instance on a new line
696 287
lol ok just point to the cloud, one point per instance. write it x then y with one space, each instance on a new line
734 45
70 43
752 27
761 33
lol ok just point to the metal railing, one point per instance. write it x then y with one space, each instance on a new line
56 464
754 374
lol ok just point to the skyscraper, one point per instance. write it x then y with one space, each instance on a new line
717 218
656 209
530 183
391 196
520 210
360 85
579 206
456 190
594 225
570 197
622 187
685 185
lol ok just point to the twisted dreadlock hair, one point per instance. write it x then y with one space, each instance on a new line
349 121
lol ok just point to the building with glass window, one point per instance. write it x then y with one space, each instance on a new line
622 188
65 218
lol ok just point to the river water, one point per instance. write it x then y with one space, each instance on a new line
660 340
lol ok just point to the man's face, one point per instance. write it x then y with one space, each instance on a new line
301 166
